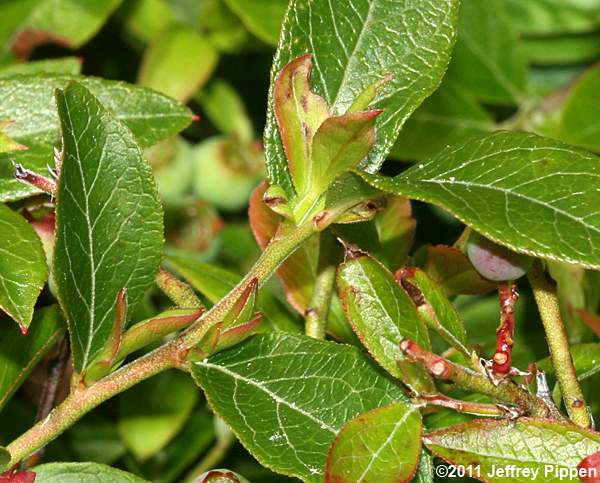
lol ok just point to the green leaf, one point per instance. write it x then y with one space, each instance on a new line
19 354
29 101
154 411
488 59
544 17
4 458
425 471
382 445
226 109
538 445
566 49
145 19
262 17
339 144
221 26
185 449
211 281
381 314
499 183
108 221
449 116
65 65
13 13
286 397
346 42
437 309
23 269
299 113
396 230
166 65
96 438
579 123
37 158
586 358
82 473
65 22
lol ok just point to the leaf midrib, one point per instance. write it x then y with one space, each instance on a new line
508 192
274 396
388 440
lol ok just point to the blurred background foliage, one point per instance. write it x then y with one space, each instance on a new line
517 65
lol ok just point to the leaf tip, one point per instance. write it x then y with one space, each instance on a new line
351 251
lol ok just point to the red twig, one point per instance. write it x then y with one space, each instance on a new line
502 360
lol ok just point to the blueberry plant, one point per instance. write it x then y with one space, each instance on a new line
179 297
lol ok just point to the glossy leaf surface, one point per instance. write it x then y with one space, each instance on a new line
109 231
23 269
82 473
380 312
382 445
409 39
527 444
281 394
500 183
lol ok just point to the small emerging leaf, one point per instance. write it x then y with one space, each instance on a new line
166 65
340 144
382 445
299 113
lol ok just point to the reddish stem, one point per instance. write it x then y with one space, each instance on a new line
34 179
502 360
470 380
470 407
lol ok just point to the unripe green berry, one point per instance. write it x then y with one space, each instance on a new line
495 262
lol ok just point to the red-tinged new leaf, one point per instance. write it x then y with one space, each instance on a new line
299 113
243 308
297 273
383 445
234 335
340 144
